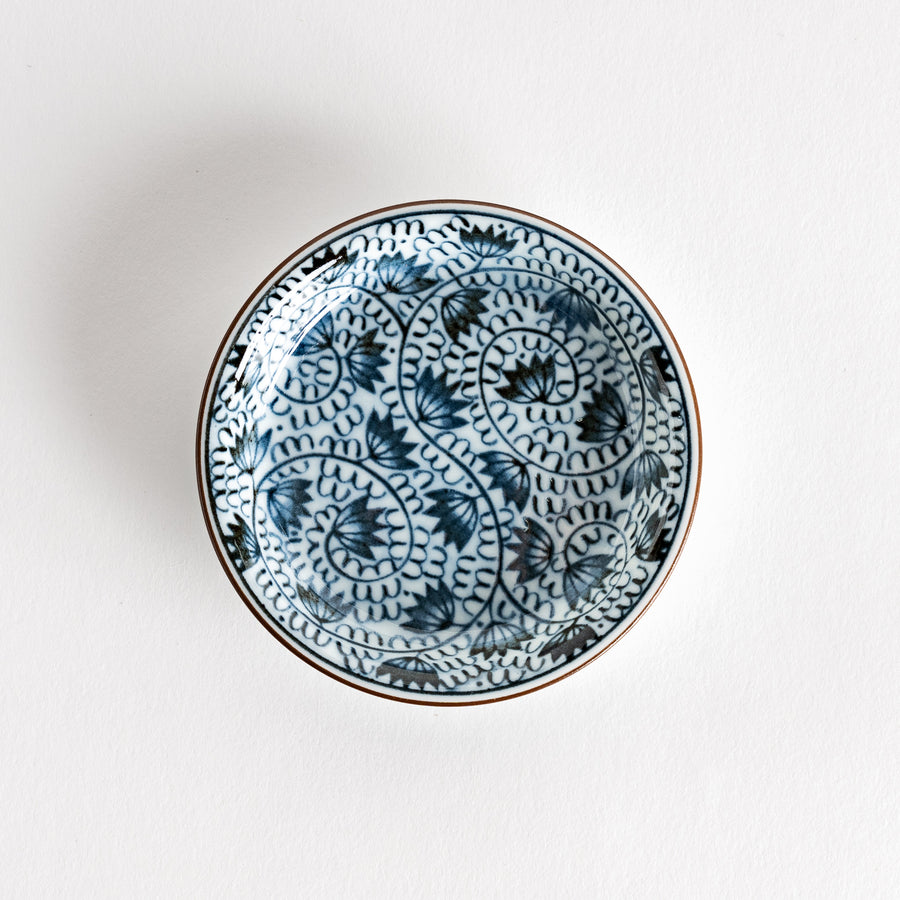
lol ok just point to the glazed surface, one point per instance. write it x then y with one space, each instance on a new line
448 452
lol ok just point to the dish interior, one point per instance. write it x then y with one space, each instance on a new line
447 452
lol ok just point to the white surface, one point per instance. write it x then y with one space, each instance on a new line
160 159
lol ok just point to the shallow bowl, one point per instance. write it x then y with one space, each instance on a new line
448 452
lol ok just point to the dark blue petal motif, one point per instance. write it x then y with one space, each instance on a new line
249 448
320 337
461 310
654 539
401 275
605 417
456 514
330 264
656 370
435 403
248 364
357 528
386 444
496 638
242 545
434 611
364 361
323 605
585 575
408 671
573 310
647 471
486 243
510 475
286 503
570 642
533 551
530 383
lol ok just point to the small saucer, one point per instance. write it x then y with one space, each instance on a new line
448 452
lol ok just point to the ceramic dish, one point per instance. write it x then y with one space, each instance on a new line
448 452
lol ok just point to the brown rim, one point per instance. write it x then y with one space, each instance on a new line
425 701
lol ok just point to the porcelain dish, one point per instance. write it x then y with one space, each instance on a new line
448 452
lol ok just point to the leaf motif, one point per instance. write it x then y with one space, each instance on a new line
531 383
510 475
534 551
461 310
286 504
656 370
386 444
248 365
323 605
403 276
653 540
357 528
434 611
647 471
570 642
241 544
496 638
409 670
605 417
457 515
435 403
573 309
249 448
364 361
330 264
584 575
487 243
320 337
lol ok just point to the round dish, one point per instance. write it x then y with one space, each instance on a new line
448 452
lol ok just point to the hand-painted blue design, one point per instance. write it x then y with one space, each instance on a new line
403 276
486 243
654 539
409 672
287 504
448 452
605 417
330 264
646 472
364 361
531 382
241 544
573 310
249 448
461 310
386 444
656 369
358 528
584 575
498 638
435 402
320 337
533 551
323 605
434 611
510 475
456 514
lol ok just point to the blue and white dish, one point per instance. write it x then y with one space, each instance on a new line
448 452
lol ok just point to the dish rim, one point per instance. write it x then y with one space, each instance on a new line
428 700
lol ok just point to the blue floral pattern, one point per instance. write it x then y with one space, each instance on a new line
447 453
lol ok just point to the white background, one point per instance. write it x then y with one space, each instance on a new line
159 159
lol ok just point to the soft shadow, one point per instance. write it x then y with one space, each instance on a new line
172 243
